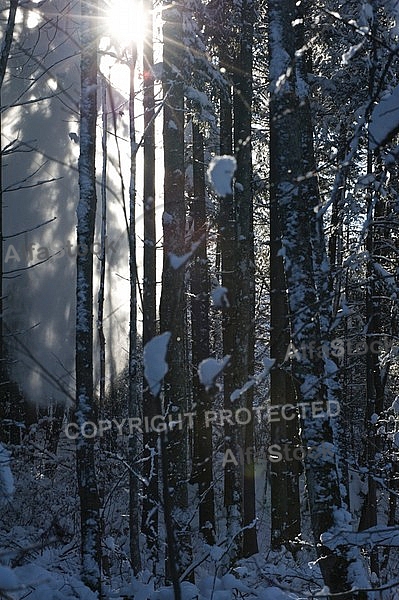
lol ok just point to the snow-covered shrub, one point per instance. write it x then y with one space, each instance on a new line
6 478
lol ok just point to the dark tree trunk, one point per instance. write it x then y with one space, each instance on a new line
245 338
4 370
285 506
173 302
374 386
101 288
234 440
202 401
86 212
133 408
296 211
150 443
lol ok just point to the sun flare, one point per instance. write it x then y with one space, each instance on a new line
125 22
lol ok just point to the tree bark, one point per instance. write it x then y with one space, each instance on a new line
295 212
172 306
202 401
5 51
101 288
133 408
150 438
233 474
245 335
86 212
285 506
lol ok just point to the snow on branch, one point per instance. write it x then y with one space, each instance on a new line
378 535
220 173
155 365
384 122
178 261
210 368
219 297
256 380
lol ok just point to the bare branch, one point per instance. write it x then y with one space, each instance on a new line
7 237
31 266
32 185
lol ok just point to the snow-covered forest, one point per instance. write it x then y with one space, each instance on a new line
199 333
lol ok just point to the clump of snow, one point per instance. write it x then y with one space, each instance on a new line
216 552
200 97
167 219
210 368
273 593
367 13
330 366
324 592
220 174
221 588
155 366
349 54
188 592
138 590
202 104
219 297
268 364
395 405
8 579
46 585
241 391
230 582
178 261
6 478
384 119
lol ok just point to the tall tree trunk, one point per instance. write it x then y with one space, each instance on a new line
295 211
4 370
172 306
245 334
285 506
133 409
335 245
202 401
150 455
3 366
374 387
233 473
227 231
101 288
338 294
310 183
86 212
